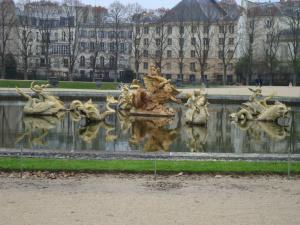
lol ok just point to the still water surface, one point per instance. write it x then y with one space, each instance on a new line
146 135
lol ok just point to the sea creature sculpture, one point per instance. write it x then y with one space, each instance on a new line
151 99
90 111
258 109
45 104
197 112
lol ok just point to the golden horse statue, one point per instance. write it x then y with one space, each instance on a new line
151 99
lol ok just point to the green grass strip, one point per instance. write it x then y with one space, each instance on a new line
62 84
146 166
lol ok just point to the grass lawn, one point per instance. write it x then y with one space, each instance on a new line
146 166
62 84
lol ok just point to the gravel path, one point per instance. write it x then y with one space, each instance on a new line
141 200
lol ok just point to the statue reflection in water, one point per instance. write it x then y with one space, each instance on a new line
154 133
196 137
255 130
90 130
36 128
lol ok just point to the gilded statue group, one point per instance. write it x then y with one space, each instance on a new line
138 103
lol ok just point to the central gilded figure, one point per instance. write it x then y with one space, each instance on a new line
149 100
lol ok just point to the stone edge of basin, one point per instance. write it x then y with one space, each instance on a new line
10 94
150 156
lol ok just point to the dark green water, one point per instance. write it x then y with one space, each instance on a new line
144 135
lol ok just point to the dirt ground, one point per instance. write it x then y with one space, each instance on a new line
140 200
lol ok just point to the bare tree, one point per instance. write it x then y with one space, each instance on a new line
292 14
98 22
251 30
201 36
138 16
44 11
74 12
7 22
228 43
271 43
117 18
25 32
160 37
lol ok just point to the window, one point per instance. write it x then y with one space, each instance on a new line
111 46
122 47
181 54
146 42
71 36
169 41
37 36
220 54
112 62
56 36
169 54
146 30
157 42
230 54
193 67
205 53
137 30
82 45
221 29
157 54
157 30
231 28
92 46
231 41
206 42
102 46
145 54
269 37
193 41
82 61
169 66
181 29
192 78
66 63
92 61
181 41
193 54
193 29
145 65
206 29
102 61
169 30
221 41
269 23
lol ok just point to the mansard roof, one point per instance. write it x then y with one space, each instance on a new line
198 10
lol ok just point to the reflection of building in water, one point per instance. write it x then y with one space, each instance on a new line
10 123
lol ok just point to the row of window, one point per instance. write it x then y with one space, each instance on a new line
194 29
192 66
205 41
106 34
193 54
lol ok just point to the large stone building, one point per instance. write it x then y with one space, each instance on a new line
196 40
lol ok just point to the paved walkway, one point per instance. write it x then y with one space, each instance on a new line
140 200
